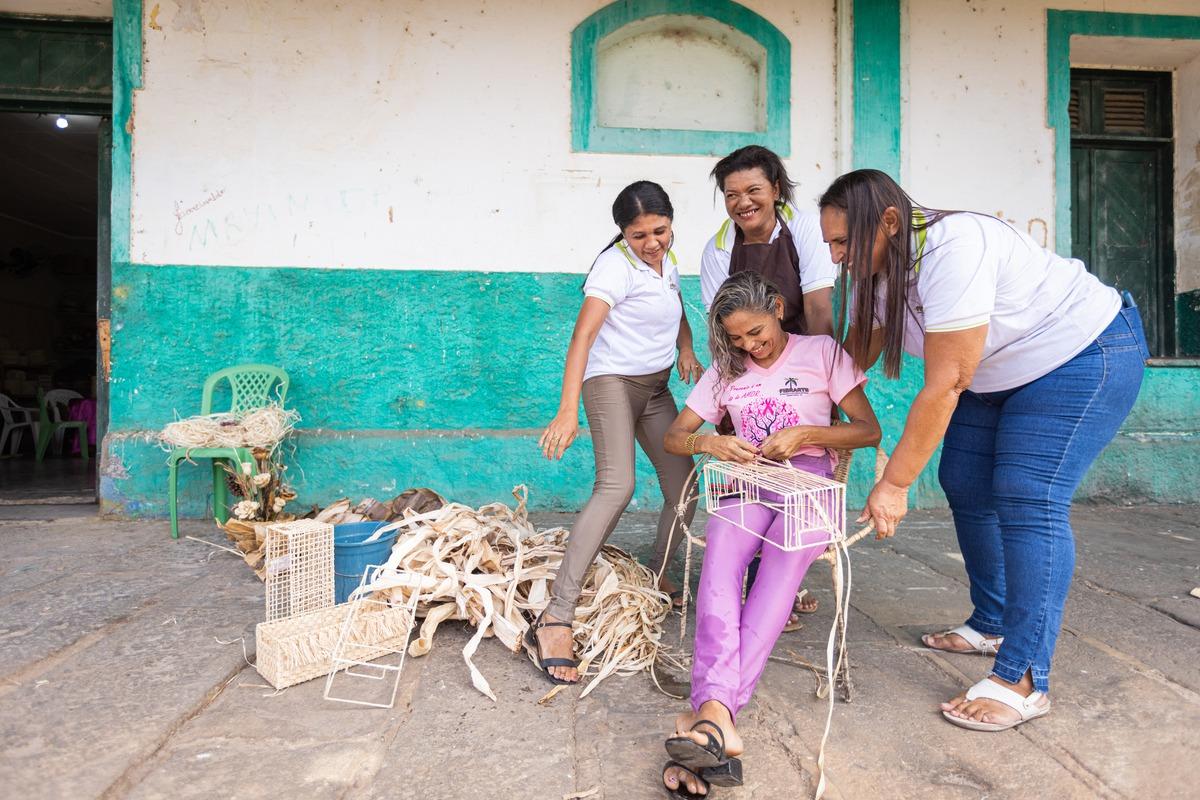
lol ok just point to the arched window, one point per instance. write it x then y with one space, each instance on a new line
691 77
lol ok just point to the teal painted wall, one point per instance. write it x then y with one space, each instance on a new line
444 379
877 85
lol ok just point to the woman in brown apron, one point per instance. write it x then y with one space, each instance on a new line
766 234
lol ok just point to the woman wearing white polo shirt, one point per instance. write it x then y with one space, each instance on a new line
1031 366
630 331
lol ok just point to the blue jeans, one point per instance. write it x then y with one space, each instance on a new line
1011 462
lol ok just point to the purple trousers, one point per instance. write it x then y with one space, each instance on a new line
734 637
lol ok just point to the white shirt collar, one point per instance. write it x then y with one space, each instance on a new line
636 262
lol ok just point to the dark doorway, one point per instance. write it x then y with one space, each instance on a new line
1121 176
55 155
48 277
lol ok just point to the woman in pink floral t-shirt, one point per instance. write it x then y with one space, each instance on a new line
779 390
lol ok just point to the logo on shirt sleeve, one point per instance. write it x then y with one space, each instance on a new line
791 387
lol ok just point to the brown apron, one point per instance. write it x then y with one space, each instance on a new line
777 262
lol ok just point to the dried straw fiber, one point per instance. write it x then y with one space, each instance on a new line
491 568
300 648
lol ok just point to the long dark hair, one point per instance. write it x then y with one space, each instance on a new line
863 195
639 197
755 156
743 291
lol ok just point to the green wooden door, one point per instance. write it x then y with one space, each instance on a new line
1120 182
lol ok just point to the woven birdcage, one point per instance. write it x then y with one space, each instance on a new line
299 568
813 507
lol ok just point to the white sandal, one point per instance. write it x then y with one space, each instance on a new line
1029 708
980 644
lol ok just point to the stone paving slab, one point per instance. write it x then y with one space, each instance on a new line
113 684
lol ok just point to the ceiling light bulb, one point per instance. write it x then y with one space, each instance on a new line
61 121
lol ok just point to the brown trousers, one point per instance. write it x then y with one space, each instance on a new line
619 409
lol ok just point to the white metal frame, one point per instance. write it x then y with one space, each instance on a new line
355 658
810 504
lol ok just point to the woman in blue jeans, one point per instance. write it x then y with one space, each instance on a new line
1031 365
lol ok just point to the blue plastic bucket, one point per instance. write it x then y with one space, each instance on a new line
352 555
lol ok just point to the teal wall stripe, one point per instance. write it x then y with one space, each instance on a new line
877 85
396 390
589 136
1060 27
127 76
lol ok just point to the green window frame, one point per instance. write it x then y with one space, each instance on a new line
588 136
1060 27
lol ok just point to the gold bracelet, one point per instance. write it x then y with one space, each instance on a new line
690 444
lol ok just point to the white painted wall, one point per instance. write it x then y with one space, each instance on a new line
407 134
58 8
974 104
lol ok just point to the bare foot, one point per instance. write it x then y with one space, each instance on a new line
673 776
557 642
669 586
715 712
805 603
954 643
987 710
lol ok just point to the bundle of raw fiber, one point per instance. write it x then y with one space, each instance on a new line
491 568
262 427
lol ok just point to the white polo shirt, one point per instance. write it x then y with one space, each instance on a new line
817 270
639 334
1041 309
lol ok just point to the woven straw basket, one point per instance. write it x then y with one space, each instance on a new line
300 648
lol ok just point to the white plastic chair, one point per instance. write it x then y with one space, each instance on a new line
13 418
54 399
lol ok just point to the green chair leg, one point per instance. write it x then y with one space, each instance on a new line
220 492
45 433
172 489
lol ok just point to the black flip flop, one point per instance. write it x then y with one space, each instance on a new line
531 641
681 792
695 756
677 595
728 773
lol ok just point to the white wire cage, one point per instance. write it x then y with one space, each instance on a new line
299 567
813 507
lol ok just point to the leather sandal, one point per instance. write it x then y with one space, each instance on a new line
794 623
1030 707
544 664
681 792
708 756
980 644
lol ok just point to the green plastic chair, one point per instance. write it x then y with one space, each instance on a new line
253 386
46 428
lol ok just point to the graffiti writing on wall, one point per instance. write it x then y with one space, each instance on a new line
1036 227
181 212
301 213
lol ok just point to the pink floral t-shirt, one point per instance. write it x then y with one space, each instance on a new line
800 388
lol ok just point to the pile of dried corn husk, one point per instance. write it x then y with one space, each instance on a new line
491 568
370 509
250 537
